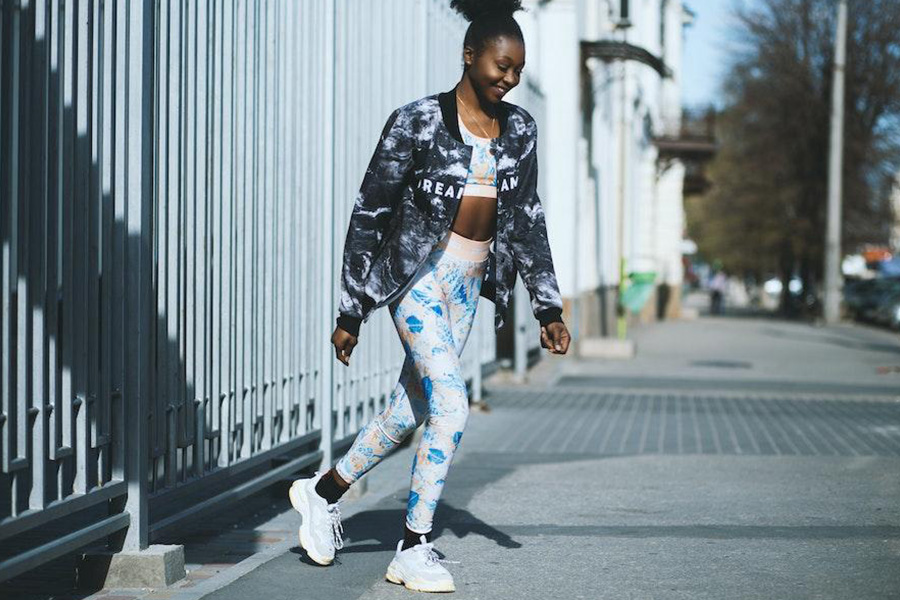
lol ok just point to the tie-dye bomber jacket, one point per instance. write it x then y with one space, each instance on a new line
409 197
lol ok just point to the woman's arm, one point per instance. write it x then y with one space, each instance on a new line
529 243
372 213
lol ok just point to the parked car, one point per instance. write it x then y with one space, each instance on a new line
872 300
855 291
888 311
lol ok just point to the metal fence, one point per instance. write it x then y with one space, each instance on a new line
175 184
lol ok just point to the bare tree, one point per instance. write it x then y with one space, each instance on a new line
766 210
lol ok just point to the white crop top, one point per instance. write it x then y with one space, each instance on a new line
482 178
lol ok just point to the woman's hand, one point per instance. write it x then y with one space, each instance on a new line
343 344
555 337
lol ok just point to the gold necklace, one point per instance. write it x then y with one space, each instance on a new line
468 112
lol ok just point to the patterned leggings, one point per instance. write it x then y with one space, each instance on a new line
433 318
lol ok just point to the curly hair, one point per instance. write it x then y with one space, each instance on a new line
488 19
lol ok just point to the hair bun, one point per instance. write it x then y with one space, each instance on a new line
473 10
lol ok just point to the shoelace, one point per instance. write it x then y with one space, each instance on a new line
431 556
337 530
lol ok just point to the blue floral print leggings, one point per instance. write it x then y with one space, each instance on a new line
433 318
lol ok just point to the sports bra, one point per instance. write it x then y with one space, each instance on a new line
482 178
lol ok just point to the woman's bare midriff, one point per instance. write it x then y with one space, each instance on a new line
476 218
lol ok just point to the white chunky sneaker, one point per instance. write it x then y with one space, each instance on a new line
321 532
419 568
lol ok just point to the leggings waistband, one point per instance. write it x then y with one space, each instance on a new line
465 248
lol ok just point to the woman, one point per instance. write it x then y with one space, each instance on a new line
450 172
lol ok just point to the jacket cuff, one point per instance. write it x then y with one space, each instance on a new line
549 315
349 324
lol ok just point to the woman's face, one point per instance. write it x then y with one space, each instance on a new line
497 69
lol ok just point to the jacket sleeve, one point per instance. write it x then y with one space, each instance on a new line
372 213
528 240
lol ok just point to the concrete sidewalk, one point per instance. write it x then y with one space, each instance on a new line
722 350
571 487
732 458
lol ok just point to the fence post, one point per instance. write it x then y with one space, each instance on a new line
137 89
326 390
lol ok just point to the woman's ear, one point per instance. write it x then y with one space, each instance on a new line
468 56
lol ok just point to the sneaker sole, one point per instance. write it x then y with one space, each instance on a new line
394 576
301 505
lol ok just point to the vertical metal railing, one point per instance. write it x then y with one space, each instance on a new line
71 187
240 201
176 180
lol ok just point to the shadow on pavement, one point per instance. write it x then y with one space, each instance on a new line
844 341
384 528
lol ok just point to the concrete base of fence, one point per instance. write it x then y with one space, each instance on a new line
156 567
612 348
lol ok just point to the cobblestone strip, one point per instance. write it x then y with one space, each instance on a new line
643 422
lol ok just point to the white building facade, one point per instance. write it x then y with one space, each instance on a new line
610 71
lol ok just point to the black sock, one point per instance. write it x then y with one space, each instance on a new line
411 538
329 489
